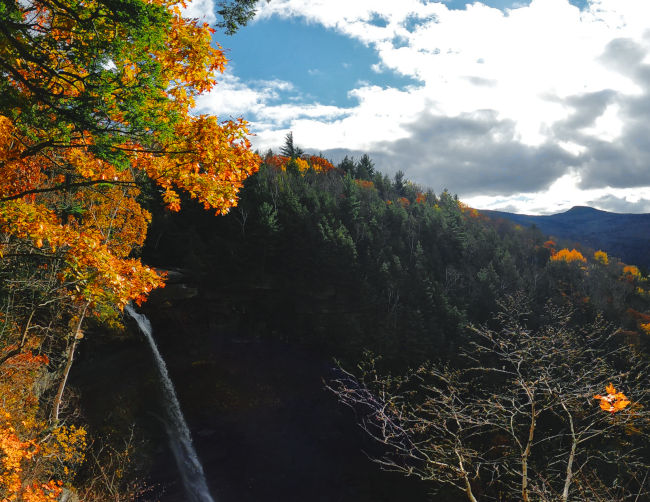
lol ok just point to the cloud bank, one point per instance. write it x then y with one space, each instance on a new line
536 107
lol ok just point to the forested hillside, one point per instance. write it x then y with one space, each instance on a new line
622 235
410 291
409 268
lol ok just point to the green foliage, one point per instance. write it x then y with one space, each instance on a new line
235 14
346 263
290 149
371 263
354 262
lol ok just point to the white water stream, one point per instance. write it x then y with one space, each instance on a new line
180 439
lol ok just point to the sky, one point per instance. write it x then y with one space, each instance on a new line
525 106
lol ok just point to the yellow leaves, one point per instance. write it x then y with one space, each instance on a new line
564 255
15 483
601 257
20 450
42 492
189 59
613 401
473 213
114 212
301 164
319 164
96 268
68 445
210 161
62 205
32 455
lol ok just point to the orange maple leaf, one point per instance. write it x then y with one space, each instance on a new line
613 401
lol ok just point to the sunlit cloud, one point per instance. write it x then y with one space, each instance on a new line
514 105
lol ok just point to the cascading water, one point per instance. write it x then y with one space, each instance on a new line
180 439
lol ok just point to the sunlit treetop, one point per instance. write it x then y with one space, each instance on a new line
564 255
631 271
601 257
301 164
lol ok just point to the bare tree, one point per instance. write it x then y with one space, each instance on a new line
516 418
431 440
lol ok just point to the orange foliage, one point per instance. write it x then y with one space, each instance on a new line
467 210
365 184
613 401
15 482
568 256
420 198
601 257
631 270
279 162
550 245
57 194
404 202
28 450
318 164
99 108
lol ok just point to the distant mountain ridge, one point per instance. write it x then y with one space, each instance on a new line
625 236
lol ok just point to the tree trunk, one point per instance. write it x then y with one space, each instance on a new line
76 336
526 453
572 454
468 486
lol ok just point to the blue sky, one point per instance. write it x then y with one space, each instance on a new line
325 69
321 63
529 106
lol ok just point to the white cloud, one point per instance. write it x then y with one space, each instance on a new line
532 56
261 103
607 127
200 9
550 85
564 194
232 97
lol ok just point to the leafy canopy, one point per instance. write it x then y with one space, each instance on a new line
95 99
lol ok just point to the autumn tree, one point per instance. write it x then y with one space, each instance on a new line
96 98
564 255
95 104
521 417
601 257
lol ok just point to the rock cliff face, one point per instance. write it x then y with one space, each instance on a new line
263 425
626 236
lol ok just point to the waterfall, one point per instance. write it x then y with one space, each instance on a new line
180 439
